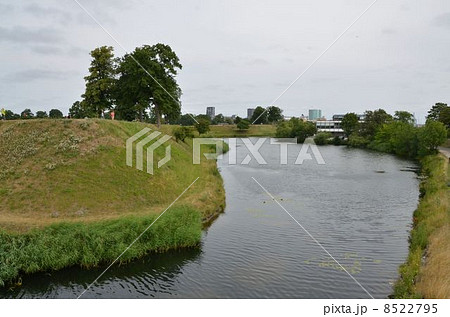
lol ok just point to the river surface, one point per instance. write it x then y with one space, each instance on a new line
255 249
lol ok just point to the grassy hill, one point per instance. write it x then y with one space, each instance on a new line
68 197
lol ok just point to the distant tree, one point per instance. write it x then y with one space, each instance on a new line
243 124
41 114
151 83
444 116
9 115
432 135
55 114
433 113
404 116
77 111
202 126
350 123
100 82
186 120
274 114
237 119
27 114
218 119
296 128
203 117
322 138
397 137
259 116
181 133
373 121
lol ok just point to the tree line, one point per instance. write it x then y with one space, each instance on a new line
397 134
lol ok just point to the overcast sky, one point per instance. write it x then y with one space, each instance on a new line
238 54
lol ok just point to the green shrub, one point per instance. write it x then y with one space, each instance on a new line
322 138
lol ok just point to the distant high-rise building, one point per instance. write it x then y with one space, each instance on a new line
250 112
211 112
314 114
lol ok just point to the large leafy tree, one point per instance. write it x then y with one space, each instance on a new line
274 114
259 116
374 120
41 114
432 135
296 128
100 82
55 114
350 123
27 114
147 79
434 112
444 116
404 116
78 111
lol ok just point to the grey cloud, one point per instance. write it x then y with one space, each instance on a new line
442 20
21 35
38 74
257 62
388 31
48 12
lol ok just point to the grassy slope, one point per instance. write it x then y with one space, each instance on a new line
65 189
430 236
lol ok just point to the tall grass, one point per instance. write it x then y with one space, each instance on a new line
66 244
426 272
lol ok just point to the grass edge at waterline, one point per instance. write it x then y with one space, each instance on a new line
62 245
426 272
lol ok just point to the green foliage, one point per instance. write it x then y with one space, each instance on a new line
202 126
243 125
147 79
27 114
373 121
100 82
444 116
274 114
259 116
93 244
404 116
430 215
397 137
55 114
432 135
77 111
218 119
322 138
41 114
181 133
356 140
237 119
435 111
186 120
296 128
9 115
350 123
337 141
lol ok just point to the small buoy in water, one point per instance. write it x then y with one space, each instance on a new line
380 171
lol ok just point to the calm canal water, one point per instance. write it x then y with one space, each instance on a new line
256 250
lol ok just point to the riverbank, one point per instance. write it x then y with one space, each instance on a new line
68 198
426 272
231 131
